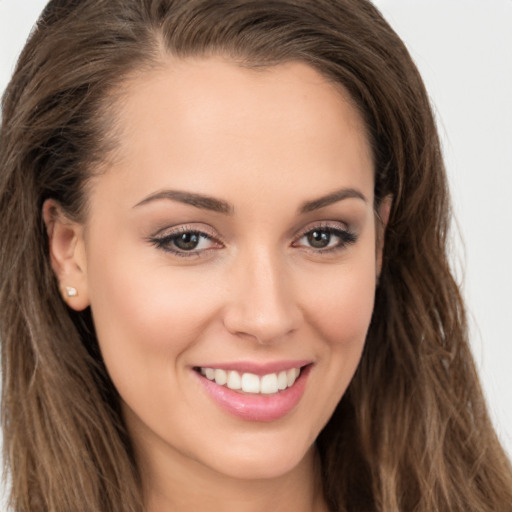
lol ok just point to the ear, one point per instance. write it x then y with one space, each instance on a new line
383 213
67 255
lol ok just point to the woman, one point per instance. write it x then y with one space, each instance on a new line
224 278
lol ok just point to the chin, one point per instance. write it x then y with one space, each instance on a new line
262 461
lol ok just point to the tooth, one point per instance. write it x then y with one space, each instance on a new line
250 383
282 381
269 384
234 381
221 377
290 377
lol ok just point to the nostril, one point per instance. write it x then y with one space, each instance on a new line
265 325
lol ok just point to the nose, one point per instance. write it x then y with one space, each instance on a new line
262 304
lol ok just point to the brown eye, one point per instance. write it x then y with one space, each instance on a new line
187 241
324 239
319 239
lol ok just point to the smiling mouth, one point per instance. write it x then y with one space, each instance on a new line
251 383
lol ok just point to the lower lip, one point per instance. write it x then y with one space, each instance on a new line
257 407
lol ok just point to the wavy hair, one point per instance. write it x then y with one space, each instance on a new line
410 434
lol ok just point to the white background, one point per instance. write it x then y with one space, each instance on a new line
464 51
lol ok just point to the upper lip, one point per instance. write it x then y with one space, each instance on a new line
256 367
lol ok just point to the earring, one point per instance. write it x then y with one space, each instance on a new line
71 292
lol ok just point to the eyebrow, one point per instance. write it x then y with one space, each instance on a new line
334 197
198 200
217 205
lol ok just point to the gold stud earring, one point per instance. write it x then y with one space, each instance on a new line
71 292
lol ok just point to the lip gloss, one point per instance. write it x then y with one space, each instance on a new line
257 407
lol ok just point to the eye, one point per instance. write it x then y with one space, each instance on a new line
325 238
190 241
185 242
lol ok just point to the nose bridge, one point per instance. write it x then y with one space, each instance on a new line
262 303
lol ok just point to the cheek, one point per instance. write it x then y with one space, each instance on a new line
339 309
341 305
141 311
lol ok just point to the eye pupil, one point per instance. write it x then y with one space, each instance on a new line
187 241
319 239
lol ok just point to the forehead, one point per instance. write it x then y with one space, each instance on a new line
207 123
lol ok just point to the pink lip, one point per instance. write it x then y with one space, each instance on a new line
256 407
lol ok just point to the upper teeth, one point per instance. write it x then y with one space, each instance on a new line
251 383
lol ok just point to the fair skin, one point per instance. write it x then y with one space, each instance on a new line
276 270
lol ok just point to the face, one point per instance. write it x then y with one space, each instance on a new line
229 259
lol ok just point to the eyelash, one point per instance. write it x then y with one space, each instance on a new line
165 243
346 237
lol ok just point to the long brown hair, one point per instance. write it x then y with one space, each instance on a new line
411 433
